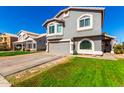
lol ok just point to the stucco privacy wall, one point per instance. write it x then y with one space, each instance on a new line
70 29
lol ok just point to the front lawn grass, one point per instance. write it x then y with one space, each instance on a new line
79 72
13 53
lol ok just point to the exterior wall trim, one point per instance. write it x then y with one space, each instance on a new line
92 51
63 40
87 40
85 28
71 47
55 32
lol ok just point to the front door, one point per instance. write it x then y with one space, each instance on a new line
106 46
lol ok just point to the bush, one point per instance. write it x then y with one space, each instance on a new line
118 49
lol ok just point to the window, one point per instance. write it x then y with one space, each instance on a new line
24 36
34 45
5 39
1 39
55 29
81 23
51 29
85 45
59 28
29 45
85 22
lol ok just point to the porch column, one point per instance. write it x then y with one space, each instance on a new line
22 47
25 45
112 45
36 46
47 46
71 46
32 46
13 47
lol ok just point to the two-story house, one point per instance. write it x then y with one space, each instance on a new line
78 29
7 39
29 41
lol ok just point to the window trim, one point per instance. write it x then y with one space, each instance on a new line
61 28
52 25
87 27
55 27
84 44
87 50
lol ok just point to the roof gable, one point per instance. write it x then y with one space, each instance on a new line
9 34
28 33
56 18
53 20
80 9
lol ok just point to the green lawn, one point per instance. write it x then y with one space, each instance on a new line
13 53
79 72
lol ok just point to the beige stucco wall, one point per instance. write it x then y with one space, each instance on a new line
7 39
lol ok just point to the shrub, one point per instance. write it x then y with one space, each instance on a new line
118 49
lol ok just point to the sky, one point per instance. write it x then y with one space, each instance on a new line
16 18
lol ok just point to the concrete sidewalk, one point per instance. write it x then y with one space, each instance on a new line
4 82
107 56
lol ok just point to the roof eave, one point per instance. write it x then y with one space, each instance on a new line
110 36
81 8
51 20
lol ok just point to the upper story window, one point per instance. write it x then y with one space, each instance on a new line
5 39
55 29
85 22
24 36
51 29
59 28
19 35
1 39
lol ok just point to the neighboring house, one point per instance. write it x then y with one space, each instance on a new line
123 44
78 30
29 41
6 40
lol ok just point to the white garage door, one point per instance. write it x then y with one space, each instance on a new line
62 48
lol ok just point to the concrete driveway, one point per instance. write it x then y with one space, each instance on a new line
10 65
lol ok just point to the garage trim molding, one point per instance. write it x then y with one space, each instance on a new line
64 40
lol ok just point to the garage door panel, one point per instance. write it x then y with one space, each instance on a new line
59 48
